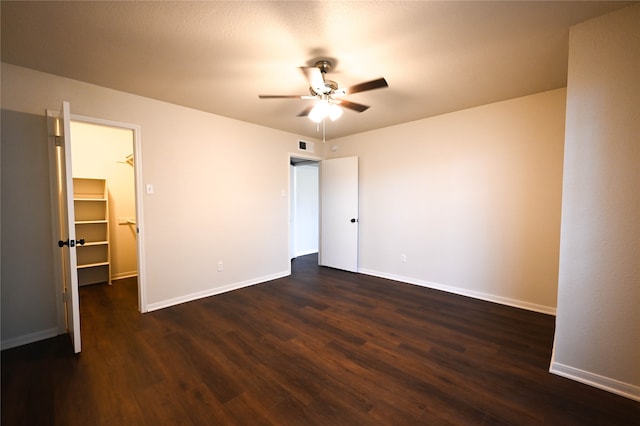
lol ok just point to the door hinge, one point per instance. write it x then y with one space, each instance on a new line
65 296
55 130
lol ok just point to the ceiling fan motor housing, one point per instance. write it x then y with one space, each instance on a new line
324 66
329 85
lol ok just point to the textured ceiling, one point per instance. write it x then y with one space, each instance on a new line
437 57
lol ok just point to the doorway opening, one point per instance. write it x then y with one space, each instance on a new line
105 171
304 205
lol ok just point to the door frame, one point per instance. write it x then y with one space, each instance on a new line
138 183
291 155
137 171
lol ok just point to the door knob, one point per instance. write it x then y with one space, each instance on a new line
71 243
354 220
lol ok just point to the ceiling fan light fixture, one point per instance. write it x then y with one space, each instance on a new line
325 109
320 111
335 112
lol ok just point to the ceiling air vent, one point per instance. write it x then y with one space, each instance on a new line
305 146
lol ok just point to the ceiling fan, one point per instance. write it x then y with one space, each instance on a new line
328 94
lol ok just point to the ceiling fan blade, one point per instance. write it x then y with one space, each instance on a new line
314 76
369 85
305 112
283 97
353 105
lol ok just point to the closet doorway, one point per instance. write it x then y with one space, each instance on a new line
304 206
103 156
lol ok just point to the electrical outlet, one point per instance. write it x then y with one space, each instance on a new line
403 258
220 266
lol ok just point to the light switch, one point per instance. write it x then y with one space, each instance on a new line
149 189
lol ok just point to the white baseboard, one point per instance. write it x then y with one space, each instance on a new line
465 292
28 338
123 275
214 291
601 382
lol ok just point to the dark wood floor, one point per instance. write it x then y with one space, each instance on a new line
322 347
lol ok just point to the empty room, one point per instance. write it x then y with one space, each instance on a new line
320 212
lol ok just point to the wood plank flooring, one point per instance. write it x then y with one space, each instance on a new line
322 347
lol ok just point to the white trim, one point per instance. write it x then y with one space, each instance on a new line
103 122
123 275
465 292
292 250
293 216
309 157
592 379
213 291
25 339
137 167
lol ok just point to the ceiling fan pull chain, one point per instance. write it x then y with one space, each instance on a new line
324 120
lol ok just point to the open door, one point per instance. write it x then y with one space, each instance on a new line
339 213
65 234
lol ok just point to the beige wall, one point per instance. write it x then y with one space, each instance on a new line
472 199
100 152
598 322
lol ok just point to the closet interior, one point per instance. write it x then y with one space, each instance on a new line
104 202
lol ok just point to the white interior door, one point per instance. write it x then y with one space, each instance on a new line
339 213
66 234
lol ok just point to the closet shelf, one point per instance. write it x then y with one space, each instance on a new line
91 208
93 265
93 243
